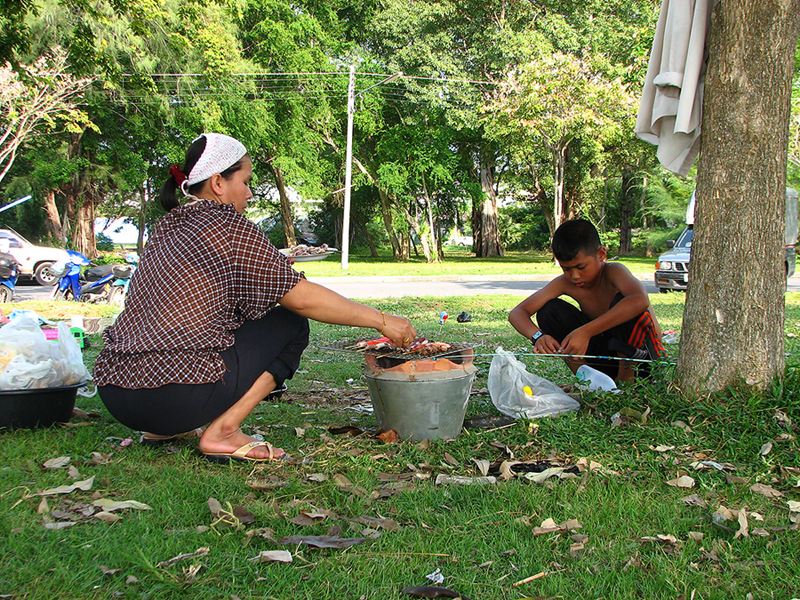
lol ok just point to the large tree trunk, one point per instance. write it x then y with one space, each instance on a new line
142 221
432 234
286 207
83 234
52 221
626 207
386 213
485 230
559 152
733 327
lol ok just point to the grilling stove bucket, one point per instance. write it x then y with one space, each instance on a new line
424 405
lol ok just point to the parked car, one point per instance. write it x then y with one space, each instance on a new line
34 261
672 267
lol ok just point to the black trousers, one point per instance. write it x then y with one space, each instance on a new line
273 344
559 318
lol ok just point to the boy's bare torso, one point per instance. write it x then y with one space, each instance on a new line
595 300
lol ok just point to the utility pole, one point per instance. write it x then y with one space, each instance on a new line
348 169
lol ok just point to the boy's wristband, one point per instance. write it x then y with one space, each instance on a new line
535 337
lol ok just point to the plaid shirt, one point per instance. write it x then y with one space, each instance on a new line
205 270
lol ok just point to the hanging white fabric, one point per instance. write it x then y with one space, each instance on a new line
670 111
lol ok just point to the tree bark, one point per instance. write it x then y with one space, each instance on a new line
386 213
625 210
83 234
487 241
286 207
52 221
142 221
733 323
559 152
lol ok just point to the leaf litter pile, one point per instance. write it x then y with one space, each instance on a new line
293 494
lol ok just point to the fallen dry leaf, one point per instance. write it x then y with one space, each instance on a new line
743 525
783 419
317 477
107 517
669 542
681 425
323 541
73 472
694 500
705 465
98 458
547 474
43 507
765 449
550 526
760 532
505 469
59 525
197 553
106 571
84 485
794 506
482 465
661 448
765 490
265 484
300 432
262 532
283 556
131 580
190 573
376 523
684 482
57 463
388 437
111 505
696 536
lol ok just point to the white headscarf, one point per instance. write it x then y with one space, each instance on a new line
221 152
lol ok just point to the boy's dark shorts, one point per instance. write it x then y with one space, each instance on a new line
559 318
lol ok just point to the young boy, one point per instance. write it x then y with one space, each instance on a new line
614 318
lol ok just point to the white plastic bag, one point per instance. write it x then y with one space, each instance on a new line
508 379
29 361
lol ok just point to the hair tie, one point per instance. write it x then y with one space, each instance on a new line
178 175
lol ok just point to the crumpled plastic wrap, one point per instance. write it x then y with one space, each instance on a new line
29 361
508 380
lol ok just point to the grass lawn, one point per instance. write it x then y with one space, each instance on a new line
458 261
481 537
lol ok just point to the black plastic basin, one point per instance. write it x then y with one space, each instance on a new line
25 409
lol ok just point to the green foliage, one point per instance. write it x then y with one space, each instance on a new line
103 242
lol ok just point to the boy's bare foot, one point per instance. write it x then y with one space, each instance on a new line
215 442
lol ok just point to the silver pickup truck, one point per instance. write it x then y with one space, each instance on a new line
672 267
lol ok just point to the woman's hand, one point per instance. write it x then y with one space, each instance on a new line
398 329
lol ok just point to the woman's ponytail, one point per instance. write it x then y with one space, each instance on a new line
168 197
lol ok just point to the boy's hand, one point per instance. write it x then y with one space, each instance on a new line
576 342
546 345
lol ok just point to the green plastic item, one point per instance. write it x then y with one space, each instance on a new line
80 336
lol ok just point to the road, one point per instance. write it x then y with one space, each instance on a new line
398 287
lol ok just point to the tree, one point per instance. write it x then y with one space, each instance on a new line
42 97
733 320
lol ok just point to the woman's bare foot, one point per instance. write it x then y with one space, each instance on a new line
218 443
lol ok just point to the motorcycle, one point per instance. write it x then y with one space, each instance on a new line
122 281
94 285
9 271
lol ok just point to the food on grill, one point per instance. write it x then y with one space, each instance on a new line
376 344
420 346
303 250
430 348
